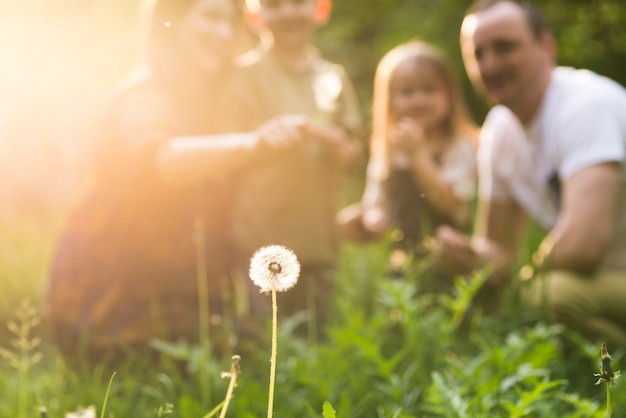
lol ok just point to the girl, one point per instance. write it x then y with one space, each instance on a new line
422 169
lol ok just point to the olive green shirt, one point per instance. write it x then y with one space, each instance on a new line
290 196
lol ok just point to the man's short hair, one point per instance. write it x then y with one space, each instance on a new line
535 19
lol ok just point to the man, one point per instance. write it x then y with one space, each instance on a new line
555 153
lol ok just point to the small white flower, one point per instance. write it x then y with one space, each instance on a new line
274 267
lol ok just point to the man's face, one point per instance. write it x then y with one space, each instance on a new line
503 58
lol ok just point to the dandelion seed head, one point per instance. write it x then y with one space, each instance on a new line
274 267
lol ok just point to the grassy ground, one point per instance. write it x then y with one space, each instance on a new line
25 249
394 350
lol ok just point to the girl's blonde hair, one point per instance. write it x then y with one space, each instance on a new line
458 124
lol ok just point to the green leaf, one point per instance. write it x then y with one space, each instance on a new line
328 410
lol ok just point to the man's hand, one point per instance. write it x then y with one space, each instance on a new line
457 253
453 252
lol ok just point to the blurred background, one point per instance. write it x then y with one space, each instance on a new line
59 59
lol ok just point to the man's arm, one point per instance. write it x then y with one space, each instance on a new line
586 222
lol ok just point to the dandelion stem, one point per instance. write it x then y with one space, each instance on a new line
608 399
270 402
274 268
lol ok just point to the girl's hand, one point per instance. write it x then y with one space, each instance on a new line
375 220
408 136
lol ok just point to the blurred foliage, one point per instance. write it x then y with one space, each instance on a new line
590 34
62 57
392 350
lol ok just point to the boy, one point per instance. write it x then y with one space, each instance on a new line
289 196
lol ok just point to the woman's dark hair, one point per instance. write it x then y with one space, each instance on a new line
535 19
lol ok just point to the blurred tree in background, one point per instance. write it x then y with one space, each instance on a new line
59 59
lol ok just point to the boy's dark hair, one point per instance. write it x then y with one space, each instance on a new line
535 19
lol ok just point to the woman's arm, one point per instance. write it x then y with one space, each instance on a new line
192 159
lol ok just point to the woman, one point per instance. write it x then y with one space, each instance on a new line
138 248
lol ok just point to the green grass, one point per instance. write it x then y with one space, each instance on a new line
26 246
394 349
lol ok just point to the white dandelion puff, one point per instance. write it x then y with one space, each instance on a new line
274 267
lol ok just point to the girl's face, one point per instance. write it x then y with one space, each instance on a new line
419 93
206 34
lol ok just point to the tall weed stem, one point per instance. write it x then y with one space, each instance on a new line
203 308
233 373
24 354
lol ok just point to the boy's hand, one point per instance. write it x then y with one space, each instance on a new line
453 252
283 131
341 147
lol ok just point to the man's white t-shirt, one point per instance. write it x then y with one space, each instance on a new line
581 123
